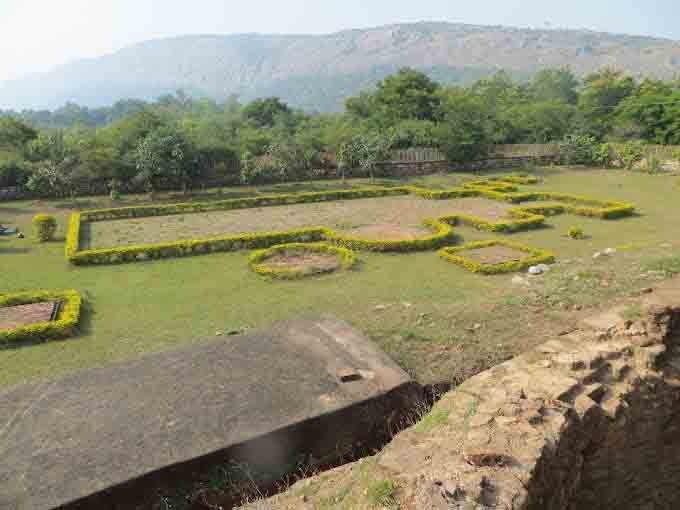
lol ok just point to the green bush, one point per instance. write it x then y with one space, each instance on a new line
602 154
631 153
575 233
578 149
653 164
62 327
44 227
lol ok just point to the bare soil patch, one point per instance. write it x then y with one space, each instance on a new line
22 315
494 254
347 215
308 262
387 232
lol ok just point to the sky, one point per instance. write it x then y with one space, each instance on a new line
37 35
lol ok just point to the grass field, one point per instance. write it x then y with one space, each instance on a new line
437 320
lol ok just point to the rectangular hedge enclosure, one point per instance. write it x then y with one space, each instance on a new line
62 326
500 189
465 256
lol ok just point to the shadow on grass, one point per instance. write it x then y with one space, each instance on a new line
14 250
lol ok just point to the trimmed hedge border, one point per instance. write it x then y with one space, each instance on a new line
523 218
63 327
347 259
443 235
535 256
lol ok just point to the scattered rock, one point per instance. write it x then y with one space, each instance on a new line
535 271
597 255
610 251
665 245
604 283
20 235
477 326
380 308
407 305
646 290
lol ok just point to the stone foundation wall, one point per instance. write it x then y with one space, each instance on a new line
587 421
414 168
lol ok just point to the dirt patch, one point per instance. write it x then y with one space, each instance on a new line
494 254
22 315
343 216
308 262
387 232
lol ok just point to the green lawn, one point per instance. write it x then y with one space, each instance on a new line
436 319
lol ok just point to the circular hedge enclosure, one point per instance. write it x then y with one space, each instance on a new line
299 260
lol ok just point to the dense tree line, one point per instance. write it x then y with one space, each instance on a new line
181 142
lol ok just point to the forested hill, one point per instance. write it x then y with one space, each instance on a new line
317 72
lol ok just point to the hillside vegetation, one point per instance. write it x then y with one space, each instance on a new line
317 72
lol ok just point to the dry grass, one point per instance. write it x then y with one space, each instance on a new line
345 216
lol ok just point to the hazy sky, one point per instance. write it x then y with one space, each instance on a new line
36 35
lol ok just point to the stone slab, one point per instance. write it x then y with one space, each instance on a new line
65 441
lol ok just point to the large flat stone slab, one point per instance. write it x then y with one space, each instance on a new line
126 428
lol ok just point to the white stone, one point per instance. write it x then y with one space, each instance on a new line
535 270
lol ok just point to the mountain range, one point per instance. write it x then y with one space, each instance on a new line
317 72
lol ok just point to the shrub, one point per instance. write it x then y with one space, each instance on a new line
631 153
578 149
653 164
534 256
575 233
115 190
44 227
602 154
62 327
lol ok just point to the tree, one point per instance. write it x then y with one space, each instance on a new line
15 134
364 151
409 94
51 179
603 92
164 155
541 122
554 85
264 113
463 131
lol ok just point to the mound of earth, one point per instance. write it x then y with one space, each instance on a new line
307 261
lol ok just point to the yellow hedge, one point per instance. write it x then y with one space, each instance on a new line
62 327
257 259
522 218
534 256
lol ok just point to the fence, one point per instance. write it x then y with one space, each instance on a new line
417 155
